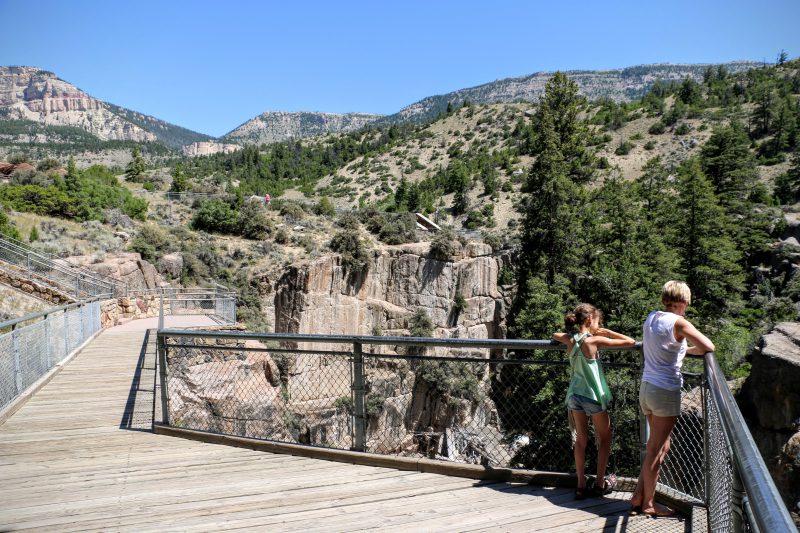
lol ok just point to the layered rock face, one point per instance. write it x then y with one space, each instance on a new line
32 94
209 148
272 127
771 396
129 268
410 412
322 297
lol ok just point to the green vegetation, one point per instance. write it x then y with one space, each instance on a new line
239 217
79 195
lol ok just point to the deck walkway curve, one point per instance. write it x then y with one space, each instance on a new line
79 456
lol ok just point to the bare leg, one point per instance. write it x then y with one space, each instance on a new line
657 448
582 439
602 426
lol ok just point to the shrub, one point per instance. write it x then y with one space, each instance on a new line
649 145
657 129
624 148
354 252
325 207
292 210
34 234
682 129
253 222
215 216
420 324
443 245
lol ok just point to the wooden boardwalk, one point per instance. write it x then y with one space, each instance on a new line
78 457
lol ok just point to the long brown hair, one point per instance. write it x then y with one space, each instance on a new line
580 315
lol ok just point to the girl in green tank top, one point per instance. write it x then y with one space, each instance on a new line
588 394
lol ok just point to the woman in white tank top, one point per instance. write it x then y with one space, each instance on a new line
664 343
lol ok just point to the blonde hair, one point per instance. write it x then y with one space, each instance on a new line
581 314
676 292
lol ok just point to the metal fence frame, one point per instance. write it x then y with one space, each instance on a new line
58 274
750 501
38 342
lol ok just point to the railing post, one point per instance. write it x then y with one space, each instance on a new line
161 311
66 332
162 373
704 394
17 366
737 497
359 422
48 358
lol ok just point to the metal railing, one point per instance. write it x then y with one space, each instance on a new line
58 274
488 402
33 344
741 493
218 302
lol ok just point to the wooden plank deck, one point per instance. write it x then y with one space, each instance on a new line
78 456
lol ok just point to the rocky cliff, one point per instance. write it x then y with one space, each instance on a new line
771 399
208 148
272 127
27 93
40 97
413 406
322 296
619 84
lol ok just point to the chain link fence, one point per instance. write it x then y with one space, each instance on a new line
485 405
60 275
27 352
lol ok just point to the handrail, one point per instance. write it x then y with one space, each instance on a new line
390 341
13 322
766 504
59 261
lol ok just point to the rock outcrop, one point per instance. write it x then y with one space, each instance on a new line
323 297
409 411
272 127
771 399
128 267
209 148
28 93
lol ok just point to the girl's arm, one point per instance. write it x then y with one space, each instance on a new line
563 338
701 343
606 338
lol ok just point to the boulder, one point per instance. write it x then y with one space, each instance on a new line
171 264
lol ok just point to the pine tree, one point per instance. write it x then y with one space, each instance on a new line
709 256
180 183
72 178
551 231
135 168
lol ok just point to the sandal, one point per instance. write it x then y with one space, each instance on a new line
635 510
609 485
664 512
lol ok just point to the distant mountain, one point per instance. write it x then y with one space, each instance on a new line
279 126
38 107
620 85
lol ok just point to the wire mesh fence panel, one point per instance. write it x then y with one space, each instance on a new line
75 330
683 472
58 346
32 347
720 508
8 380
233 390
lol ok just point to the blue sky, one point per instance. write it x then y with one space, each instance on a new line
212 65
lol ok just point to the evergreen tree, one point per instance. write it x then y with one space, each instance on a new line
135 168
180 182
551 231
710 259
727 161
787 185
72 178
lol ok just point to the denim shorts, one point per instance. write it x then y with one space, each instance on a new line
659 402
576 402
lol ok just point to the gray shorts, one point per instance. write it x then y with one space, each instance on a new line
659 402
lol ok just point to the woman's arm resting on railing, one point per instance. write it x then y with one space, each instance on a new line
606 338
700 343
563 338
